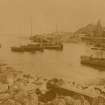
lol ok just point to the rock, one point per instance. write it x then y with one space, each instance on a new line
69 100
98 101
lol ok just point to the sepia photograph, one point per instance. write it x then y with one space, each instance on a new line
52 52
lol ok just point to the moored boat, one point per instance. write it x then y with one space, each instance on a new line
53 46
97 59
28 48
94 62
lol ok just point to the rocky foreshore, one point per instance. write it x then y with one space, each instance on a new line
18 88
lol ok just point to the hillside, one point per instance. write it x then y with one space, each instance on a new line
92 30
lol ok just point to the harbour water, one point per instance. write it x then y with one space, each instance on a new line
63 64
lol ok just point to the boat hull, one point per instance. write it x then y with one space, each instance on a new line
52 46
98 63
28 48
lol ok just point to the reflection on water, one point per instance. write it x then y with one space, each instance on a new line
64 64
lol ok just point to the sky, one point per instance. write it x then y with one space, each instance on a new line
68 15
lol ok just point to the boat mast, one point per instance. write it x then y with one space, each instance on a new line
31 26
56 28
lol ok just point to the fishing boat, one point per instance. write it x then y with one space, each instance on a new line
49 41
17 49
28 48
97 61
31 47
53 46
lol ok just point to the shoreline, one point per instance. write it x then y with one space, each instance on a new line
16 84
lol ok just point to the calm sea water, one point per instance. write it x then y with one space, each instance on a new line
63 64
